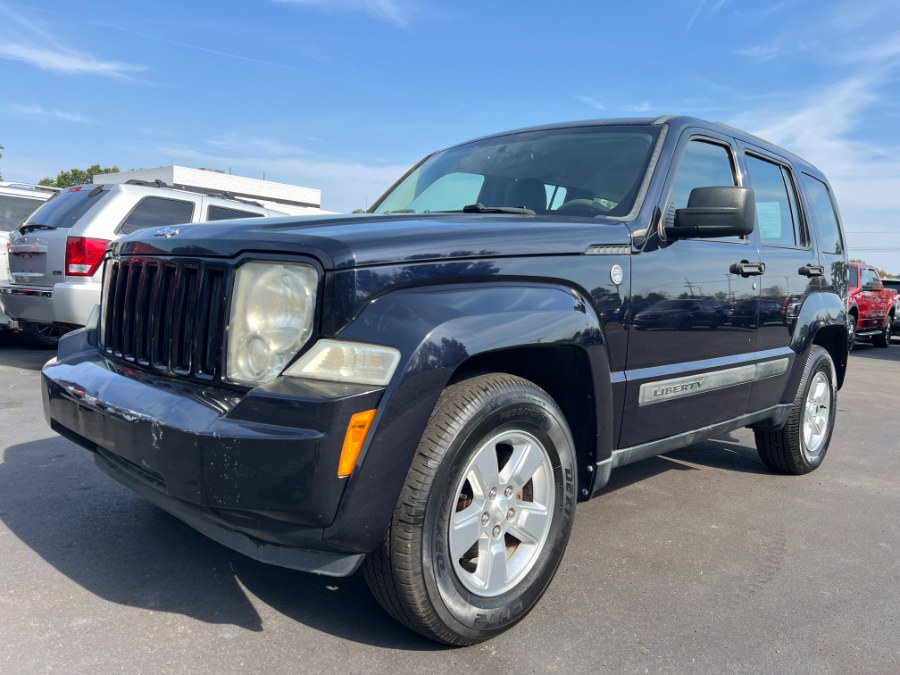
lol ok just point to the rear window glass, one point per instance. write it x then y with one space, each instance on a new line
223 213
14 210
157 212
64 210
854 277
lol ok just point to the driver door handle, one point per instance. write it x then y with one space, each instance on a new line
812 271
748 269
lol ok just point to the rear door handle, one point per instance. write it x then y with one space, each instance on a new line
748 269
812 271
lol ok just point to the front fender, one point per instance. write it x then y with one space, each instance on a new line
436 329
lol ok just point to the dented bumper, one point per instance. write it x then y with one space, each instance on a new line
254 470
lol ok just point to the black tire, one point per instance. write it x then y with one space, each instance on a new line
413 574
41 335
883 339
852 325
800 445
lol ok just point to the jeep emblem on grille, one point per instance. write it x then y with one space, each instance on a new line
166 232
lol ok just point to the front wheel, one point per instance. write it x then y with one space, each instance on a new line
800 445
484 516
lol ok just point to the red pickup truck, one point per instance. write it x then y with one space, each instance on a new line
871 307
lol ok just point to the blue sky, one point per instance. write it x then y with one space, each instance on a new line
344 95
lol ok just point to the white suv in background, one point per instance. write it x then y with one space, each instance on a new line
17 202
56 255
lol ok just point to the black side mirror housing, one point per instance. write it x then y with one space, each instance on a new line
715 212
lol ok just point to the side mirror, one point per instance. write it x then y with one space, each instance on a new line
715 212
873 286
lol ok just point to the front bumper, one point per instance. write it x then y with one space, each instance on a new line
256 471
27 303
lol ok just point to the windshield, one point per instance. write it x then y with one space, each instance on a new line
67 207
582 171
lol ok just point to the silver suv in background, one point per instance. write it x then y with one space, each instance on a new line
56 255
17 202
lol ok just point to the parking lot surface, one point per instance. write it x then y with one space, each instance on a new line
698 561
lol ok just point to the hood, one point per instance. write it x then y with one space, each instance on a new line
340 242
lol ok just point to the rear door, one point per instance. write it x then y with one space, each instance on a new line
37 253
791 269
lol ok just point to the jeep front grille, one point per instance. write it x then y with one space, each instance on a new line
166 316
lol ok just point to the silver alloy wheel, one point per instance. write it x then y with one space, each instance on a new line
816 413
503 509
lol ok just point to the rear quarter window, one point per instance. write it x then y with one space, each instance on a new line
824 217
224 213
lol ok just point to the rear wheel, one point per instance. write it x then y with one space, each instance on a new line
800 445
852 323
883 339
484 517
41 335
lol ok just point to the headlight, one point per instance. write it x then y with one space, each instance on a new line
339 361
272 313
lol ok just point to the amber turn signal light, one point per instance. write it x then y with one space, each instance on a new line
353 441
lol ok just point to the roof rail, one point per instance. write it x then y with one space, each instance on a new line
147 183
233 197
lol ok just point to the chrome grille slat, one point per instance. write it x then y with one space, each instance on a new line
166 316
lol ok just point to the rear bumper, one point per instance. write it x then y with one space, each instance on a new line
27 303
74 302
255 472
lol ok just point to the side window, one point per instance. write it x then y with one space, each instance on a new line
777 216
854 277
449 193
868 276
224 213
703 164
823 215
157 212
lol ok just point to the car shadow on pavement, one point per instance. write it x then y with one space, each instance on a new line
867 351
15 353
124 550
725 452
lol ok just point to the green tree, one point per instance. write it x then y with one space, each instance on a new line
77 176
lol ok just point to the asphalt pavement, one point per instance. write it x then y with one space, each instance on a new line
698 561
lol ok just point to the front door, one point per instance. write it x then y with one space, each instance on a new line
689 364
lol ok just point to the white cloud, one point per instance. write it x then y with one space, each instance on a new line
398 12
59 114
592 102
24 40
345 185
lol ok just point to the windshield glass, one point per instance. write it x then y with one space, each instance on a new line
67 207
582 171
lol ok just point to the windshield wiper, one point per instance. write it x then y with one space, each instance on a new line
481 208
25 229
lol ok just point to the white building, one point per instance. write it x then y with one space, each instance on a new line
291 199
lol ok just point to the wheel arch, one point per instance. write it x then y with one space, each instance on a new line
566 374
446 332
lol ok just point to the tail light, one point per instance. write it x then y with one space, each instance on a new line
84 255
